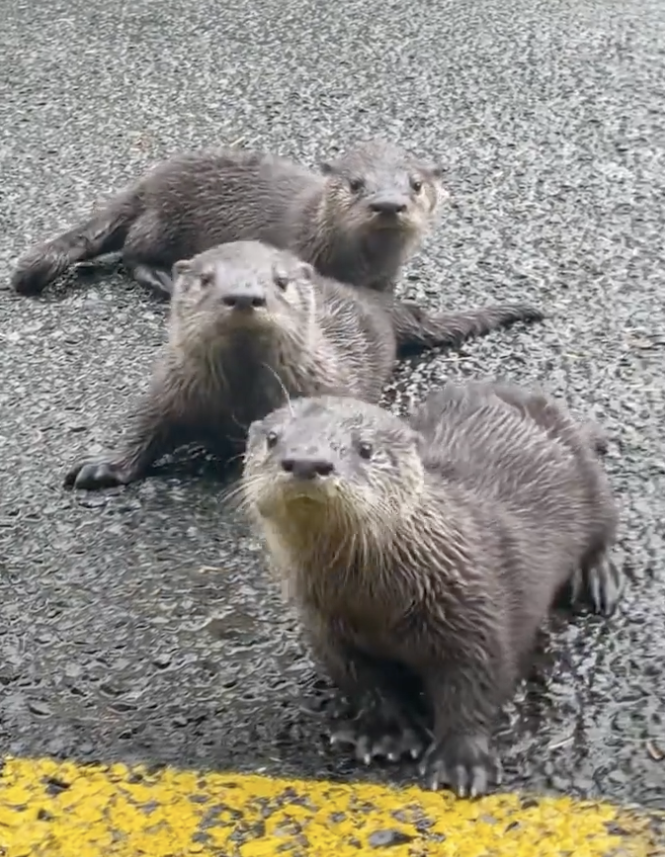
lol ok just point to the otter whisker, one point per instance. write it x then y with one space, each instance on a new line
234 497
243 426
241 494
236 457
340 549
287 397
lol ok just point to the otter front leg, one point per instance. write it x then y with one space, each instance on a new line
465 700
151 436
380 728
379 725
415 329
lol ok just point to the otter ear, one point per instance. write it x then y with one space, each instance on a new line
254 427
181 267
436 171
307 271
328 168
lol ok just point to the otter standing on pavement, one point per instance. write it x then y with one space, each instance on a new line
251 326
425 555
356 221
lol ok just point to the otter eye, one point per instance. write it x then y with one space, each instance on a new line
417 185
356 185
365 450
206 279
271 439
281 281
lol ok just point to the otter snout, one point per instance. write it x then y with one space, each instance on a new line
388 204
244 298
304 466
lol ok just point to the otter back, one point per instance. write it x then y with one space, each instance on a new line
356 220
427 553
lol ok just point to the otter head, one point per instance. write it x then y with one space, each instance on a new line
242 286
331 468
378 189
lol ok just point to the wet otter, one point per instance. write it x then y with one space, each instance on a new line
252 325
356 221
425 554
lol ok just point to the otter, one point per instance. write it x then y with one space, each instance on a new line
251 326
356 220
423 556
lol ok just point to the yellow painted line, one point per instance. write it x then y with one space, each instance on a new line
70 810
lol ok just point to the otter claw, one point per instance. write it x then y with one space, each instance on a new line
601 586
606 585
372 743
464 764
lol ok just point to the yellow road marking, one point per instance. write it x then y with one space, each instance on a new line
51 809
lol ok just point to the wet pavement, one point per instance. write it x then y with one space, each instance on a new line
141 625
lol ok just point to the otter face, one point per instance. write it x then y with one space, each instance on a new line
240 286
328 459
380 187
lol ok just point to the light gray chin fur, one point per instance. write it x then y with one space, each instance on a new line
257 319
400 223
286 489
274 325
269 503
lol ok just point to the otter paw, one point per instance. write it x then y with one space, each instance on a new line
31 277
375 738
603 586
92 475
463 763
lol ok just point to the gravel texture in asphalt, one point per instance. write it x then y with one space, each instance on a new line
550 117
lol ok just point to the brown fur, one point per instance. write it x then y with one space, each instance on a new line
190 203
222 368
427 554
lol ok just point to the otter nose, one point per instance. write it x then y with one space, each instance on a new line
307 467
244 300
388 205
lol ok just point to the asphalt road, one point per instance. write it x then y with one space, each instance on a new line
550 117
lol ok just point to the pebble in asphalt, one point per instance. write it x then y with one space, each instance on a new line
551 118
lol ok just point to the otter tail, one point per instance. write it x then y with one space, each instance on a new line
104 232
416 329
